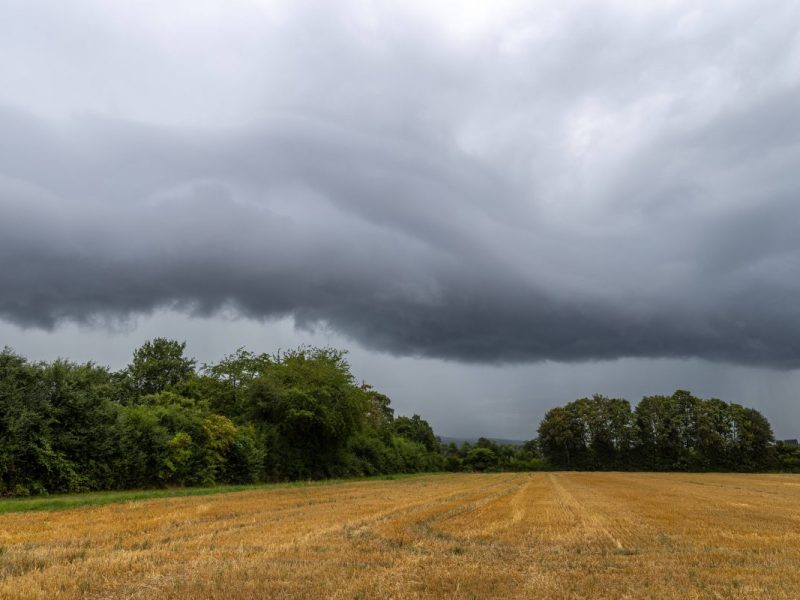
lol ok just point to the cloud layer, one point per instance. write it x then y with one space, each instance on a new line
523 184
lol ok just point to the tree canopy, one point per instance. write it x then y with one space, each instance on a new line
663 433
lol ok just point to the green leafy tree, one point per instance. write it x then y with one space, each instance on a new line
226 383
659 442
416 429
143 442
787 457
714 444
481 459
753 441
562 438
28 463
83 422
308 408
158 365
588 433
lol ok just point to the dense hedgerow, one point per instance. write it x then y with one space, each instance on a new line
162 421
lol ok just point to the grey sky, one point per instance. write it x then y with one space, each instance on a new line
497 206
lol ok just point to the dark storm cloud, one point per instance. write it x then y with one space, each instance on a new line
588 183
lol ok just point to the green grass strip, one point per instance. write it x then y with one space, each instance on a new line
70 501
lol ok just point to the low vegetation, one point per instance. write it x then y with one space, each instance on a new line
505 535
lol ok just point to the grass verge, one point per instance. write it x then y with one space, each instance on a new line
68 501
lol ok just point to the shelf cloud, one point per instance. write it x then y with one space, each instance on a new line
582 183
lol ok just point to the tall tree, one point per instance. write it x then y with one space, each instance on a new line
308 408
158 365
562 438
417 429
84 421
226 383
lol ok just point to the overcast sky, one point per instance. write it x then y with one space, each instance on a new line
496 206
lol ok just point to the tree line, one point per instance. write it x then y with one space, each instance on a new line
486 455
164 421
663 433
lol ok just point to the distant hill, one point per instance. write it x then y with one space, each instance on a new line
460 440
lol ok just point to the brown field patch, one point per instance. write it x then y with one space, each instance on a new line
540 535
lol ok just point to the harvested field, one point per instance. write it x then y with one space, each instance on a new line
540 535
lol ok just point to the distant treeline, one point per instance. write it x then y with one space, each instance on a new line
162 421
489 455
663 433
